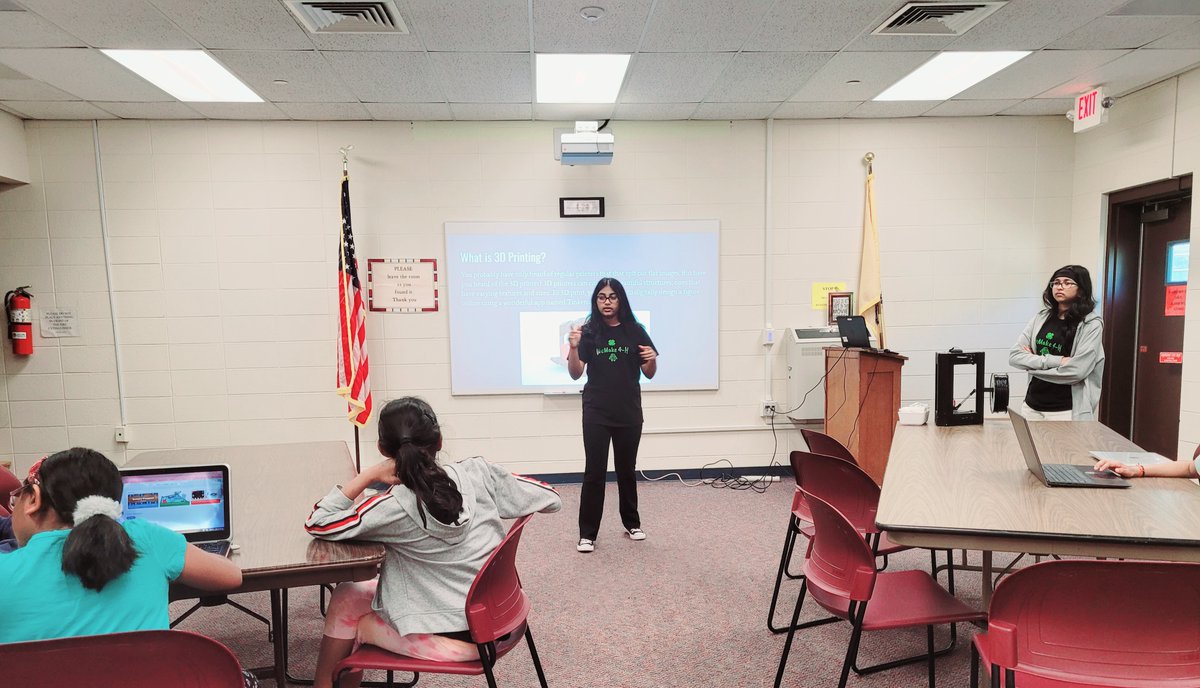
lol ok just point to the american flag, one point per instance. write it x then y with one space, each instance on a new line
352 382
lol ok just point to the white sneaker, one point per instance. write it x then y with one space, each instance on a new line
636 534
585 545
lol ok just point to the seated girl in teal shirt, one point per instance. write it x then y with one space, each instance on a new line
80 572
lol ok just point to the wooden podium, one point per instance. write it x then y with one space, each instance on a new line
862 403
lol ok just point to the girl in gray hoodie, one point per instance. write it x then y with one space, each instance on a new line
439 523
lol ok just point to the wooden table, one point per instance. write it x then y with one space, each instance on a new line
968 487
273 488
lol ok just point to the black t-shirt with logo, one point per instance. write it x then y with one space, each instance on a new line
612 395
1056 339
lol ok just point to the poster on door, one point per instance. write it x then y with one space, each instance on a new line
1176 300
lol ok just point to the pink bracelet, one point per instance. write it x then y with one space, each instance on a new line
1141 471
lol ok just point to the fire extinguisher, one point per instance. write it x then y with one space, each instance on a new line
20 320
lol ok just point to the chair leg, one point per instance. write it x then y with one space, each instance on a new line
1010 678
789 544
929 645
791 634
856 616
537 663
995 676
487 657
974 666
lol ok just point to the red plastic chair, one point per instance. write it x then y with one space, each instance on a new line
141 659
820 443
1094 623
851 491
497 611
8 483
840 573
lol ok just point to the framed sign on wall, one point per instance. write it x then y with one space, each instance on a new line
402 285
840 303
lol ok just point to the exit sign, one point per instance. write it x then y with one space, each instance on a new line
1089 110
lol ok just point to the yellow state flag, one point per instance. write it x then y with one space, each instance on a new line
870 292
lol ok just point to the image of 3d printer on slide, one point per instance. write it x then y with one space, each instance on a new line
1061 348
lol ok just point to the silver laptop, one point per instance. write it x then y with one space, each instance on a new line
190 500
1058 474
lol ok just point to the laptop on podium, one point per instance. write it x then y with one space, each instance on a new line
853 331
1058 474
190 500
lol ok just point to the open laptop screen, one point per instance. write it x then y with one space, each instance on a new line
190 500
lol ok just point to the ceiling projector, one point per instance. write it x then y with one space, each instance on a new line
586 145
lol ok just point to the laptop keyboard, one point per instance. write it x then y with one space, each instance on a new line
1064 474
214 547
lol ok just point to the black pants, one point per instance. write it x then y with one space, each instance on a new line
625 441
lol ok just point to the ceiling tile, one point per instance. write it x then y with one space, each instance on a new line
1157 7
1186 38
409 111
1041 106
28 30
484 77
238 24
665 111
470 25
59 109
1037 72
693 26
892 108
672 77
817 25
87 74
325 111
151 110
754 77
380 42
1118 32
969 108
875 71
1136 70
129 24
813 110
734 110
491 111
572 111
387 77
308 74
31 89
1031 24
559 28
248 111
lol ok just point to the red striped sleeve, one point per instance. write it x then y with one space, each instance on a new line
352 520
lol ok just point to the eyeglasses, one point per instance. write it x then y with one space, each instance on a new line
607 297
1063 283
16 494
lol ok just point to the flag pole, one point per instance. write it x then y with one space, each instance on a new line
345 151
869 159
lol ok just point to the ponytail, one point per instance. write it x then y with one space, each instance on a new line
83 487
409 434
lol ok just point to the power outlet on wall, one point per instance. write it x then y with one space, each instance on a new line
120 435
769 409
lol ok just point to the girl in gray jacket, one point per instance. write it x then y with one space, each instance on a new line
439 523
1063 351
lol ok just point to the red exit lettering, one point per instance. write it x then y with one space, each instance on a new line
1087 106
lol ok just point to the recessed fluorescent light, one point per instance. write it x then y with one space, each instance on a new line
580 78
190 75
948 74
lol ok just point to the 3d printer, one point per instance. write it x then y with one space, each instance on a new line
946 411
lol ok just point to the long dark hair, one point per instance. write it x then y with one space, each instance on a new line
97 550
1084 302
409 433
624 310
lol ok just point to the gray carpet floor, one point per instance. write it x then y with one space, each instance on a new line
686 607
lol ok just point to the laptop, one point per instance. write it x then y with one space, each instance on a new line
190 500
853 331
1058 474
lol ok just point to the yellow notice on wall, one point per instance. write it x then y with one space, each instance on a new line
820 293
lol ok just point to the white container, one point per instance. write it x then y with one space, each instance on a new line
914 414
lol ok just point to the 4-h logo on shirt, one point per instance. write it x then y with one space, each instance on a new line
613 356
612 342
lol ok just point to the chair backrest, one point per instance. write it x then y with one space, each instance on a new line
839 563
820 443
842 484
8 483
1125 622
141 659
496 604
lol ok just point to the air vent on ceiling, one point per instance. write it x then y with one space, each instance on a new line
348 16
936 18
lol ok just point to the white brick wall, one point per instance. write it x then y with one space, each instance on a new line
224 235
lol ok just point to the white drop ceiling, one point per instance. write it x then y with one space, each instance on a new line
473 59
